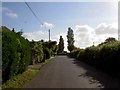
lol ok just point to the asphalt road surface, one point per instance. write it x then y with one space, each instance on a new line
65 72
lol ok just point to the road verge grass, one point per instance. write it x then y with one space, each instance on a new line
46 61
21 79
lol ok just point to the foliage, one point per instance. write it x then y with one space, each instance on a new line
40 50
15 54
18 52
47 53
37 53
70 37
51 46
65 52
104 57
19 33
61 45
110 39
20 80
71 47
73 54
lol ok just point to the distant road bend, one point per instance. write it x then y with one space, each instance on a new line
65 72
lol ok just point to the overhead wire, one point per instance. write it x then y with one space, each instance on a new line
33 13
36 16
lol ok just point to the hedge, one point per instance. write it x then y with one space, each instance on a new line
40 51
104 57
18 52
73 54
47 52
37 54
15 54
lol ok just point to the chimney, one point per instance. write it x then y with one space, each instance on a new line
13 30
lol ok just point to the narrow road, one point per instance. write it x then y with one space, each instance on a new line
65 72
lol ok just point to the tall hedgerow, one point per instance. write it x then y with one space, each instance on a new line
15 54
105 56
37 53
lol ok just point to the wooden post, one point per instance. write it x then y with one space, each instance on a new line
49 35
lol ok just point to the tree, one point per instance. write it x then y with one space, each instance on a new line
20 32
61 45
110 39
70 40
42 40
36 52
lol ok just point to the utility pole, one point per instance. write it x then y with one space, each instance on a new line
93 43
49 35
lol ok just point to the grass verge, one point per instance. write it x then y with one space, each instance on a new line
20 80
46 61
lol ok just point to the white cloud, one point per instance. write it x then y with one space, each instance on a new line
6 9
85 35
38 35
48 25
104 28
101 38
9 12
104 31
12 15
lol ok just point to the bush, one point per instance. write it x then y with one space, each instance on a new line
74 53
104 57
37 53
80 55
40 50
15 54
47 52
49 48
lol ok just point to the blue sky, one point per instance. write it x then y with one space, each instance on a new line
61 15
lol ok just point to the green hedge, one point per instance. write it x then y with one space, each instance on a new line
18 53
73 54
37 53
47 52
15 54
104 57
49 48
40 51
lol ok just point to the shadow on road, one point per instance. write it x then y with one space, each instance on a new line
96 76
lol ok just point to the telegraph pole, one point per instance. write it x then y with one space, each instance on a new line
49 35
93 43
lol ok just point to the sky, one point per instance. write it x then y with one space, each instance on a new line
90 21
